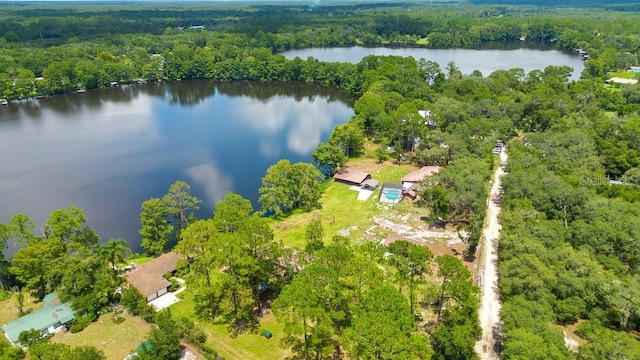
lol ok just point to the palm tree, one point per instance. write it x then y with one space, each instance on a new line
115 251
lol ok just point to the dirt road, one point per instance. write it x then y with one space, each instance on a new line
487 347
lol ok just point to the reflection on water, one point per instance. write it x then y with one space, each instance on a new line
108 151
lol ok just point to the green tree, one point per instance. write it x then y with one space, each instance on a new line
29 337
384 328
328 157
455 342
9 352
87 283
115 251
411 263
164 339
457 284
20 228
156 228
55 351
241 245
287 187
136 304
314 233
349 138
36 266
231 212
180 203
435 198
68 225
308 308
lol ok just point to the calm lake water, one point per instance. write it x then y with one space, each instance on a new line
468 60
108 151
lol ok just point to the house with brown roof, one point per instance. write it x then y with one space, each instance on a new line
351 176
419 175
411 182
149 279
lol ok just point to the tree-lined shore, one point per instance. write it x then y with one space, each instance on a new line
569 256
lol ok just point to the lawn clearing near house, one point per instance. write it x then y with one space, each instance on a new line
247 346
623 74
341 212
116 340
9 307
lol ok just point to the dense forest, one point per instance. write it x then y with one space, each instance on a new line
569 251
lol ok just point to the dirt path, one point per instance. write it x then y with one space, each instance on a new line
487 347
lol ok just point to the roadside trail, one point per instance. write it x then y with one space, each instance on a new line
490 305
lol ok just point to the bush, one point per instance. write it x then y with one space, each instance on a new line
175 285
192 332
137 305
29 337
80 323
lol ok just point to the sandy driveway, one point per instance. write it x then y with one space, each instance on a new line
488 273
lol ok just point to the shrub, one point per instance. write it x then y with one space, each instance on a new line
136 304
80 323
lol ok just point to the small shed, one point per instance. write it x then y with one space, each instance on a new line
351 176
369 184
391 193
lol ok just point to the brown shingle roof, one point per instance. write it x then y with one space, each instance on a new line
148 277
351 175
372 183
421 174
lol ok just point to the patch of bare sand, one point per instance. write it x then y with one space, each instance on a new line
391 225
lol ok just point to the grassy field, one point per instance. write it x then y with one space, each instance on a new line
9 307
623 74
241 347
341 211
116 340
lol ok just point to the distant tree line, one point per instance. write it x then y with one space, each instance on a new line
127 45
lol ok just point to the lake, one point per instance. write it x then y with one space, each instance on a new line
108 151
468 60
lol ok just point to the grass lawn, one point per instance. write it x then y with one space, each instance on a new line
341 211
116 340
9 307
241 347
422 41
623 74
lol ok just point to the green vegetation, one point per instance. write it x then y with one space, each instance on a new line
340 210
569 251
287 187
115 340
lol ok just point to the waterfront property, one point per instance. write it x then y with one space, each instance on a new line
421 174
54 317
391 193
411 182
149 279
351 176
